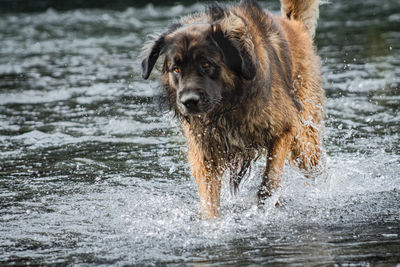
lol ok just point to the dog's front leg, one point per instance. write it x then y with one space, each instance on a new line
276 156
209 192
208 180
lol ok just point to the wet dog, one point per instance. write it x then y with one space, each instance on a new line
244 83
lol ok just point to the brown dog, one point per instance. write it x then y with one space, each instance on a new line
244 82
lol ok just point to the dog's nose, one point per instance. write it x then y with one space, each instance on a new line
190 100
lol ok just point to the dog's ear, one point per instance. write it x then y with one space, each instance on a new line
156 49
236 46
150 60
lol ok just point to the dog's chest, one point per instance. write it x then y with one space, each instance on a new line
232 140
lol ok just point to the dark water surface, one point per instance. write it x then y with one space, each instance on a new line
91 172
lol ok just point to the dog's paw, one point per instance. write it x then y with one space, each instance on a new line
267 199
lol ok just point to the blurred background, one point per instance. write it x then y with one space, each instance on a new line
41 5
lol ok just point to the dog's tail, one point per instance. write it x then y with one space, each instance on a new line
306 11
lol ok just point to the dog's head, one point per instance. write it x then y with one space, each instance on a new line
202 61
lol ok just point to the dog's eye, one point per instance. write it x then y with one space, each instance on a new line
205 65
176 70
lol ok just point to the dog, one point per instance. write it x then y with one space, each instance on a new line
245 83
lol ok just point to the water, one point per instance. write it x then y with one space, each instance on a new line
92 172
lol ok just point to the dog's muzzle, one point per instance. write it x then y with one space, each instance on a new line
189 101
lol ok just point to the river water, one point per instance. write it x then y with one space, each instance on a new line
93 172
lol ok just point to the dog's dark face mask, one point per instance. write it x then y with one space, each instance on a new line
198 60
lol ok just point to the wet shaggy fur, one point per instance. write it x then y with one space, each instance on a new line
244 83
